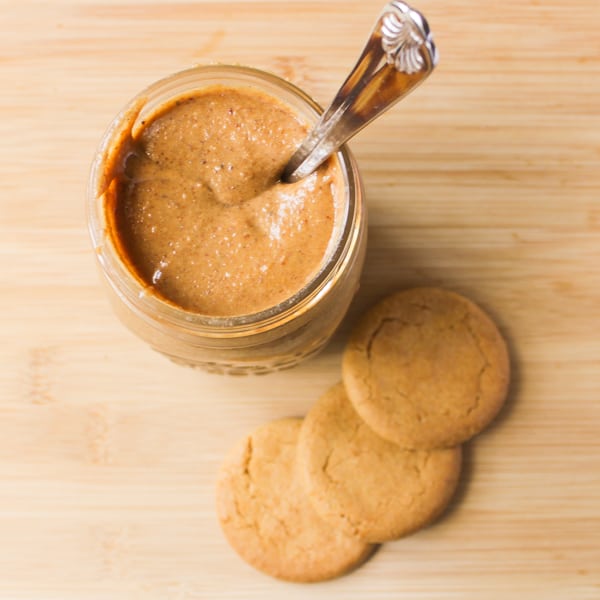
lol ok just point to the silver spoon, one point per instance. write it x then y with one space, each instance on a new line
401 40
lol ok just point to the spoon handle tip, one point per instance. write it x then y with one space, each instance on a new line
399 54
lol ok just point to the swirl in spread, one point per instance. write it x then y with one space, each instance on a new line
198 213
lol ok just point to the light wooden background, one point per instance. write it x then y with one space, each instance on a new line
486 180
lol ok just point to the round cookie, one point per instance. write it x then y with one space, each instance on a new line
267 517
426 368
365 485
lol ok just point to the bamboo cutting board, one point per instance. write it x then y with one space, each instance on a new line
486 180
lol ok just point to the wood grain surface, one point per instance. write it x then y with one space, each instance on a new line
485 180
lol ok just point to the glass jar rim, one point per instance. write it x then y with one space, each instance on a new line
155 308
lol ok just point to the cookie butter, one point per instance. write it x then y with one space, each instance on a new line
199 214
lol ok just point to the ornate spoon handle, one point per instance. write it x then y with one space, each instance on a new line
401 40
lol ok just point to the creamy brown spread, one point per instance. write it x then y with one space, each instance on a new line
199 214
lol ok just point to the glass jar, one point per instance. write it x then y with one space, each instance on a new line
275 338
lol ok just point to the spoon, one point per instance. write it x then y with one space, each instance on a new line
401 40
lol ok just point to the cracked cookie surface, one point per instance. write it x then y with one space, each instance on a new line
364 485
426 368
267 517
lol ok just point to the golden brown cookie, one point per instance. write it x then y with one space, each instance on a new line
426 368
267 517
365 485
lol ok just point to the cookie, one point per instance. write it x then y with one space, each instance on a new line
426 368
364 485
267 517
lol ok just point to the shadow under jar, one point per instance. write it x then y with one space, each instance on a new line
282 325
